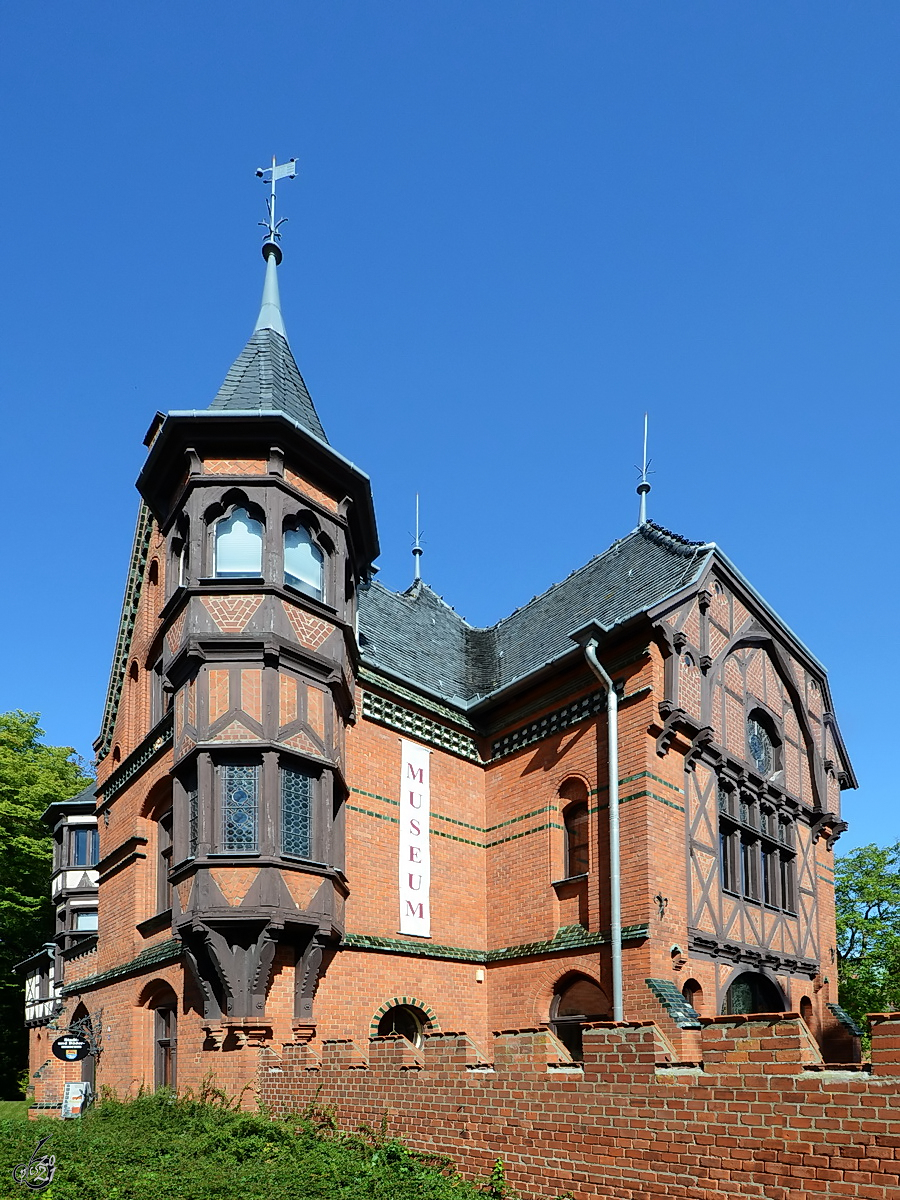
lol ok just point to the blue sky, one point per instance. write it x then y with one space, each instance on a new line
517 226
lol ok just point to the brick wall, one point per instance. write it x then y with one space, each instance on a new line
762 1117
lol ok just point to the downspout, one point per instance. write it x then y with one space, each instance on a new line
615 874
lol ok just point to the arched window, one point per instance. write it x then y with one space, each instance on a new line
751 992
304 563
406 1020
693 993
577 1002
165 1038
575 819
239 545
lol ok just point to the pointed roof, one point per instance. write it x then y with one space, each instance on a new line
265 377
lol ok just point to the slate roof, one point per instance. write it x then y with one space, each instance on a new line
265 377
416 635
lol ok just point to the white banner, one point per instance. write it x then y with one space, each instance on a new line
415 846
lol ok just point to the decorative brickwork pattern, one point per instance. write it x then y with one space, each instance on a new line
251 693
232 614
310 631
302 742
304 486
234 466
175 631
385 712
287 689
315 710
219 701
236 732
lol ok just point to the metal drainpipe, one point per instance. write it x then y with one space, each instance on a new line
615 876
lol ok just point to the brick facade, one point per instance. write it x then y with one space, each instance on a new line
261 917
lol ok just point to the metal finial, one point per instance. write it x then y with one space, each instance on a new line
286 171
417 545
643 486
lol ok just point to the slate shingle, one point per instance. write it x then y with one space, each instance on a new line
265 377
416 635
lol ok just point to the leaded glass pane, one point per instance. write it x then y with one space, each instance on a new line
193 820
761 749
239 541
296 796
239 806
303 562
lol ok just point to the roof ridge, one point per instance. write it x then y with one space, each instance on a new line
674 541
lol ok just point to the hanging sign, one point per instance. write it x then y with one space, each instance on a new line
76 1098
415 848
71 1047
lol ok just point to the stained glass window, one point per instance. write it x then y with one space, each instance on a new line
296 798
303 562
240 787
760 745
239 541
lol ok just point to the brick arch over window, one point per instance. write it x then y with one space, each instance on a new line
157 799
547 985
768 981
431 1023
155 992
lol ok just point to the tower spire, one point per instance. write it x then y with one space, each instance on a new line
270 310
417 546
643 486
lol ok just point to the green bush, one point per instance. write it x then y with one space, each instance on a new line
177 1147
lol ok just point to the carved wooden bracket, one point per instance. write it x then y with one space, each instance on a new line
665 739
699 744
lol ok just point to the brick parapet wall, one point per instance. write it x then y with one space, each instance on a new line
761 1116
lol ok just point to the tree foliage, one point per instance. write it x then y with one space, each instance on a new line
32 775
867 898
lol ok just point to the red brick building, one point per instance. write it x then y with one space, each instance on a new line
326 810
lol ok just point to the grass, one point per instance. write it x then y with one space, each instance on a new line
177 1147
13 1108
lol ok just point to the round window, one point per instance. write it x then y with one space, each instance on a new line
403 1020
761 747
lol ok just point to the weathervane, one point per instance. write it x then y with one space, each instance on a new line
286 171
644 486
417 545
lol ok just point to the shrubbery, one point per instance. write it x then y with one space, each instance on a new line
177 1147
